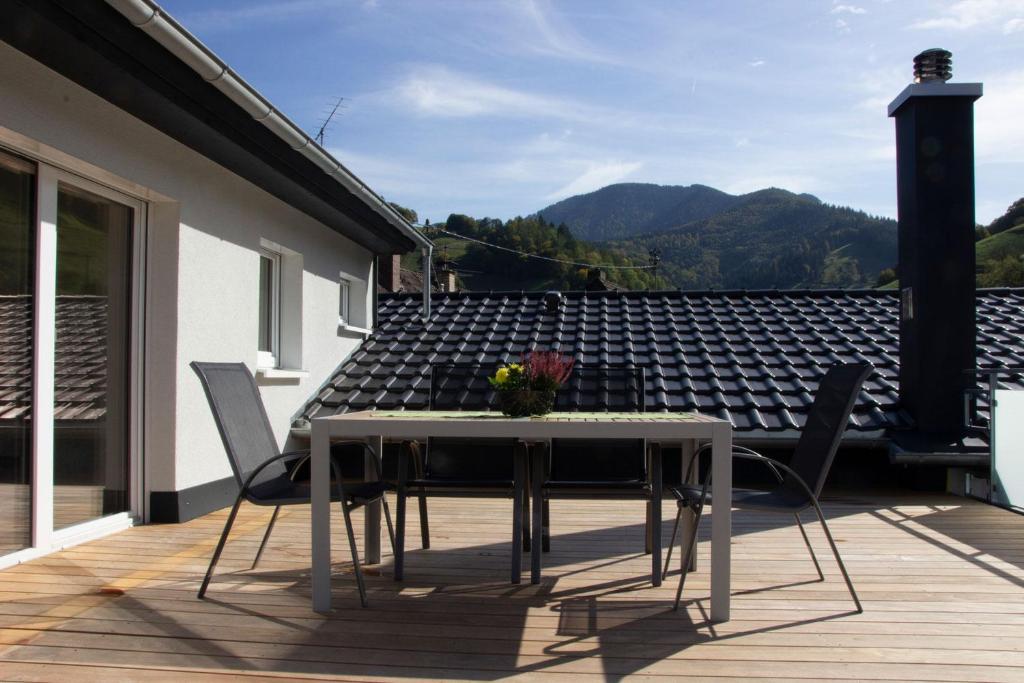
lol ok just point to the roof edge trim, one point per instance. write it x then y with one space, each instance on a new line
161 26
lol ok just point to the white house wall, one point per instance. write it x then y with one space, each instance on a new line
205 227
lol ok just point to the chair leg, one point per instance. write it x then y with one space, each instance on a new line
526 518
545 541
671 543
839 560
387 518
691 547
220 545
807 542
355 553
266 537
419 468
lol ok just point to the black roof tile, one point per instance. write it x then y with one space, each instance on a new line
753 357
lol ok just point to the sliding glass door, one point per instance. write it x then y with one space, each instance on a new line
90 439
69 354
17 278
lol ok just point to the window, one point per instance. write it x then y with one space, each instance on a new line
352 296
345 301
269 309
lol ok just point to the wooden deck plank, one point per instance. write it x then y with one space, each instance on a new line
941 579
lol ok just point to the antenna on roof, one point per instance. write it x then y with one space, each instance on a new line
319 137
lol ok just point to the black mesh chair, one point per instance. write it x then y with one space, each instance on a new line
582 468
266 476
798 484
461 467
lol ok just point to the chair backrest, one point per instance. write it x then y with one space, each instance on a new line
464 386
826 421
241 419
616 388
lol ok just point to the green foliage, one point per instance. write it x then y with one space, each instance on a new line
1007 271
406 213
999 258
886 276
485 268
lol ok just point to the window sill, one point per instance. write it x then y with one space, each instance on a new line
279 374
343 327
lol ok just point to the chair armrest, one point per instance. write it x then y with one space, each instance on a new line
262 466
737 452
775 465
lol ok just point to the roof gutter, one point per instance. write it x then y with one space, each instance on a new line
154 21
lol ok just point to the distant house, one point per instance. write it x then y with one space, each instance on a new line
155 210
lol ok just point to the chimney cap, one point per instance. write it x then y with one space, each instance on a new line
935 64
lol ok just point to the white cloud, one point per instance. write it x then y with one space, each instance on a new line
850 9
596 176
1005 15
842 26
437 91
550 36
241 17
756 63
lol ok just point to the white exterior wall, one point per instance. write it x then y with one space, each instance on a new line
205 227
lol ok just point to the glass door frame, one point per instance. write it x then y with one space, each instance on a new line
44 537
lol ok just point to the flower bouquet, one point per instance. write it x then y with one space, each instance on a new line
528 388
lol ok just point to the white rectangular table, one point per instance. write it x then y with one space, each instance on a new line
657 428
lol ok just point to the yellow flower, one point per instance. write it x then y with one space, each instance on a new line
501 376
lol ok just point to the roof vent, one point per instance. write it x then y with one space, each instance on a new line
933 65
552 301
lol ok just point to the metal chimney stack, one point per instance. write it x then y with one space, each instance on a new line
935 195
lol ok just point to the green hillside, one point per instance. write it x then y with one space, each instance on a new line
999 258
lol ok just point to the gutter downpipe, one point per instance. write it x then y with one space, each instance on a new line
428 259
150 18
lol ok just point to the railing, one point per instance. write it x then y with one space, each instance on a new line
1006 441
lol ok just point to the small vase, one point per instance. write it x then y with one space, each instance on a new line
526 402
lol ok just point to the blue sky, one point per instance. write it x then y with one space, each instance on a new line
496 108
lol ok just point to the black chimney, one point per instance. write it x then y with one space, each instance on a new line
935 196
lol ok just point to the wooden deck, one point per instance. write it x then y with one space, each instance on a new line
941 579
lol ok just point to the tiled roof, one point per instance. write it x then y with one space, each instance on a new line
752 357
81 358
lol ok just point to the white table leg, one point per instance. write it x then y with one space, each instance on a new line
721 521
371 524
320 511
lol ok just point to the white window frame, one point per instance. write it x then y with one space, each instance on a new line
53 168
269 359
350 286
344 300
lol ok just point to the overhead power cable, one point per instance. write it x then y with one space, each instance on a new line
538 256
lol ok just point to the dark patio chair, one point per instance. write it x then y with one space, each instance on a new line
798 484
461 467
585 468
266 476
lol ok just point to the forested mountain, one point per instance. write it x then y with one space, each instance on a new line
626 209
769 238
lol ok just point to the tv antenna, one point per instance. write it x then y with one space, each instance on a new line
323 126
